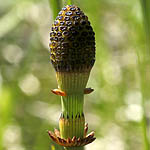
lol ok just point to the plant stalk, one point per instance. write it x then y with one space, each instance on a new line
69 2
56 7
74 148
72 119
145 5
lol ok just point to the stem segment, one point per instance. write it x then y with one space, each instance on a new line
72 119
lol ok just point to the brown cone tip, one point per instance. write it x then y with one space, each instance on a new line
72 41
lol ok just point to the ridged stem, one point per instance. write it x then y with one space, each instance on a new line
72 105
72 119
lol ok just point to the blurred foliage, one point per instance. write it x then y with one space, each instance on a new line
114 110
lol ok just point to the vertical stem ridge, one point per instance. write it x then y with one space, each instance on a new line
72 122
76 109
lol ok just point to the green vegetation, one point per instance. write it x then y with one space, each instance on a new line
145 5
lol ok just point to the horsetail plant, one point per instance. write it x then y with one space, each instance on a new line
72 54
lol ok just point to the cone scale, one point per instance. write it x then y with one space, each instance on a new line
72 54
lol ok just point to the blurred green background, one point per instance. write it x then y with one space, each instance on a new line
27 107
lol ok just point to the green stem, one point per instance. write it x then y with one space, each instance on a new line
144 123
69 2
144 127
74 148
145 4
72 120
72 105
56 7
143 86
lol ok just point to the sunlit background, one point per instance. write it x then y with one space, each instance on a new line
27 107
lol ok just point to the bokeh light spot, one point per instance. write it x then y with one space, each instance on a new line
30 84
13 54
